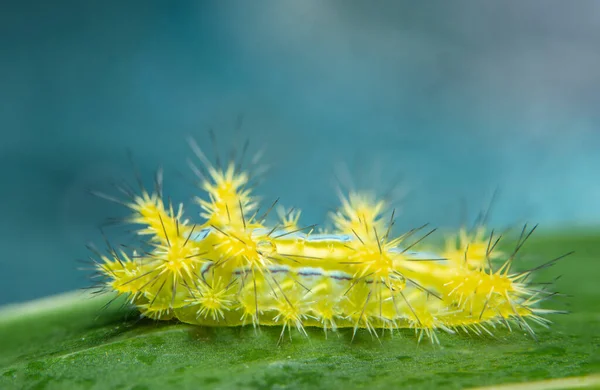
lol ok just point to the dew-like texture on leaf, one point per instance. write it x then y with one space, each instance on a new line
70 343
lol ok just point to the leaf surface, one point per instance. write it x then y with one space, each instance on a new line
70 342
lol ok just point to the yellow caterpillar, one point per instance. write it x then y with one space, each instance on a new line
233 269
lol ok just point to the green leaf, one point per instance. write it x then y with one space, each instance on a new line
71 342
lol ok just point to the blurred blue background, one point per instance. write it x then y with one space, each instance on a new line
444 100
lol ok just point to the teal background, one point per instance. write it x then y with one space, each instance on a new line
444 101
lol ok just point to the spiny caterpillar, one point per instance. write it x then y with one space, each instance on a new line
234 268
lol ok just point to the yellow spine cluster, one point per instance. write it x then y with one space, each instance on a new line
234 269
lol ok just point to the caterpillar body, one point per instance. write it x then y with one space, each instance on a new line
234 269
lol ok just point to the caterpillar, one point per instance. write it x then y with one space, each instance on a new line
234 268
